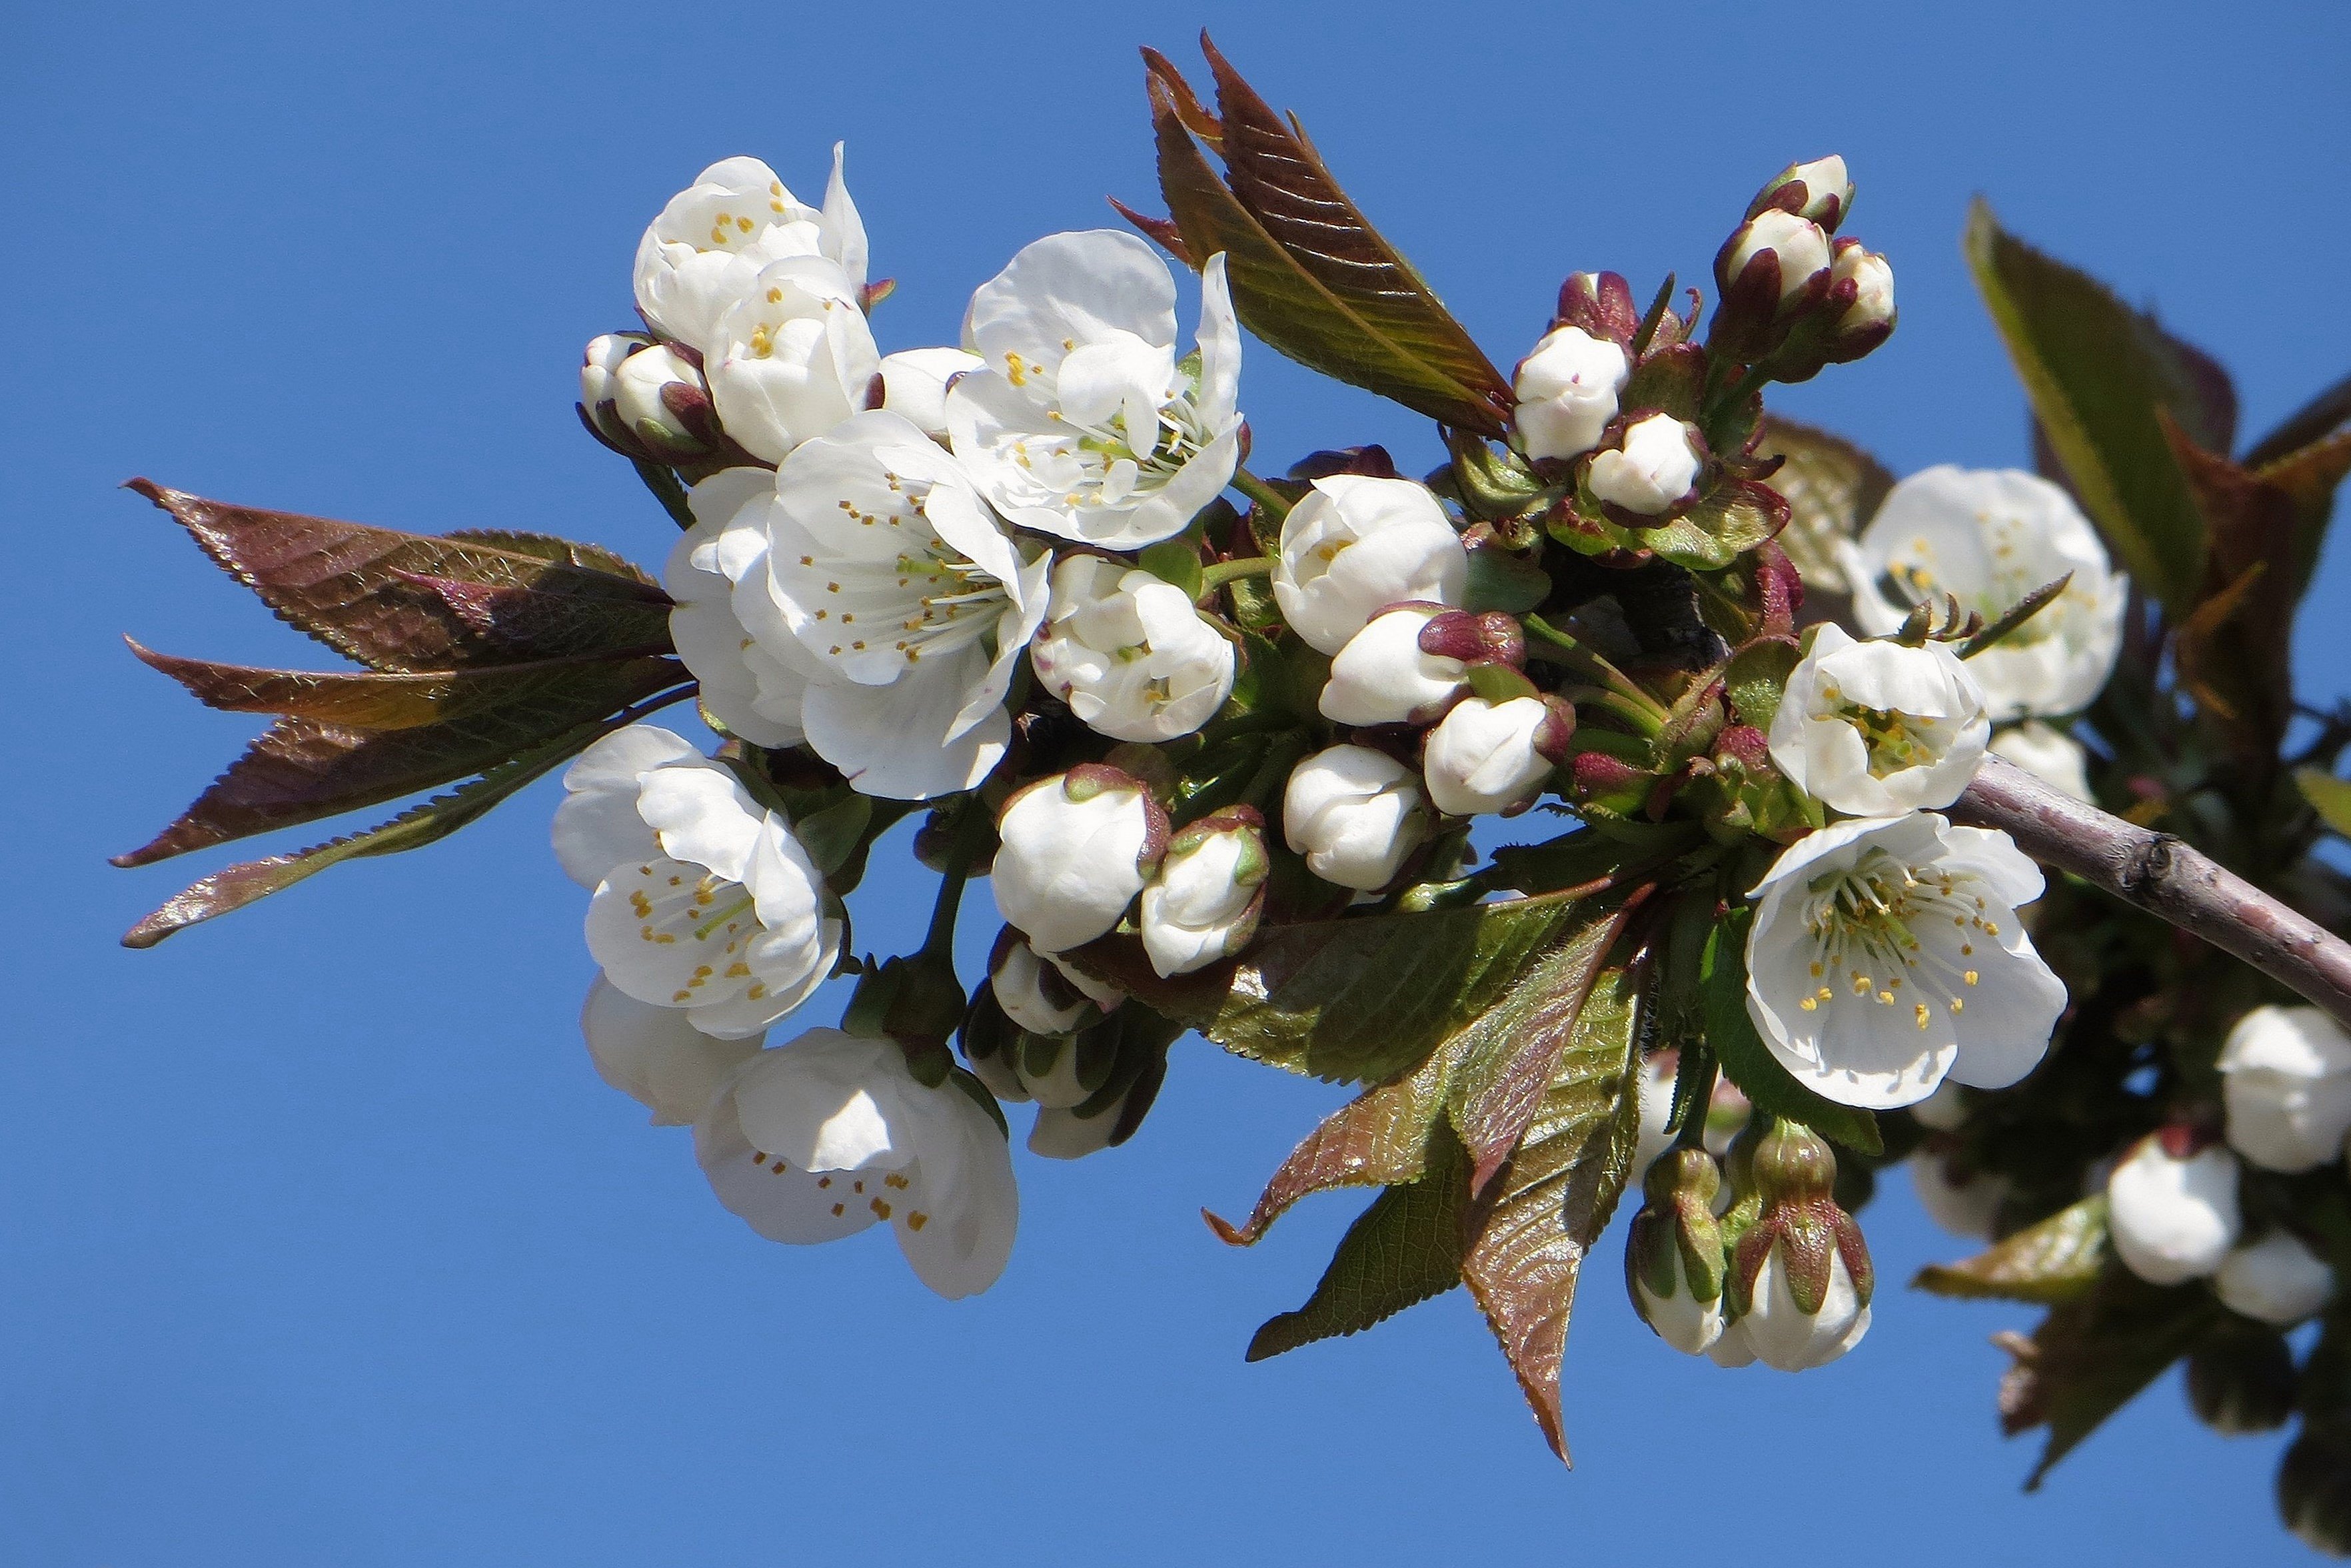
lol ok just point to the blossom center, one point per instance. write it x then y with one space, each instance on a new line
1879 926
1102 462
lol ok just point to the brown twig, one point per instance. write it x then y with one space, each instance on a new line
2166 877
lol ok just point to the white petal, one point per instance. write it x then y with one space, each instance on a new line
892 741
957 1225
1068 287
597 826
655 1056
703 814
786 1204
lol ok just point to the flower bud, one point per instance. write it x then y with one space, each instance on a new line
2275 1280
1128 651
1204 903
1654 1095
991 1045
2049 754
658 396
1655 469
1601 304
1485 756
1077 848
1566 392
1674 1262
1798 249
2285 1077
1354 545
1800 1278
2172 1213
1387 675
2241 1379
599 364
2313 1488
1354 813
1944 1110
1820 190
1872 276
1965 1205
1042 997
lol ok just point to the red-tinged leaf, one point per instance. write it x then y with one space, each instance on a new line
301 769
1286 305
2310 474
2055 1261
2093 1356
561 551
1403 1250
254 880
1378 1139
356 588
1279 176
1361 999
1188 108
363 701
1528 1239
2234 646
1514 1049
2312 421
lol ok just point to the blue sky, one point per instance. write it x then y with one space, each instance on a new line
320 1241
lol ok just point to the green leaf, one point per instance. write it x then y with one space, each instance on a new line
2096 371
1309 275
1551 1203
1832 489
1501 580
2330 797
301 769
2053 1262
1176 562
434 819
412 603
1757 677
1747 1061
1358 1000
2091 1356
1403 1250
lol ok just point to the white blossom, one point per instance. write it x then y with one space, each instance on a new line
1081 424
1966 1206
703 251
1886 955
1077 848
1566 392
2172 1217
875 564
1354 545
2049 754
1202 904
1485 756
1873 729
1129 653
754 689
792 358
1989 537
1040 993
1354 813
1944 1110
1384 676
703 901
817 1139
655 1055
2276 1280
1654 470
1802 248
2285 1077
915 384
1782 1334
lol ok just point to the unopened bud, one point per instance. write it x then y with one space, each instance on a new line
1387 675
1485 756
1354 813
1601 304
1674 1262
1566 392
1819 191
1796 249
2313 1488
2275 1280
1204 902
1654 471
2241 1379
1041 996
2285 1076
1801 1278
1965 1203
1077 848
2172 1213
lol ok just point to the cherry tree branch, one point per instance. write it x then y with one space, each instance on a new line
2164 876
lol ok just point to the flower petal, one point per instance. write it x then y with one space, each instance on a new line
655 1056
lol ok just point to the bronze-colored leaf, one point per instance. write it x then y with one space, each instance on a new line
2234 646
1832 489
2310 474
2091 1356
2312 422
364 701
2053 1262
370 593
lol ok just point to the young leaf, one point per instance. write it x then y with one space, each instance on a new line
2311 475
1278 296
1748 1062
2091 1356
1832 489
2234 646
1552 1200
2329 796
2312 422
369 700
2053 1262
1403 1250
302 770
400 602
2096 371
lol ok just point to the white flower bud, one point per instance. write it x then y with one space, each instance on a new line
637 388
1803 249
1828 189
1354 813
2285 1076
1944 1110
600 362
1731 1349
1877 728
2172 1218
1203 904
1654 470
1061 1134
1354 545
1041 996
1488 757
1383 675
2049 754
1076 847
1873 276
1965 1208
1782 1334
1654 1091
1566 392
2276 1280
1129 653
915 385
1688 1325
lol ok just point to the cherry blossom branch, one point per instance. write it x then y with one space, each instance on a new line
2166 877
